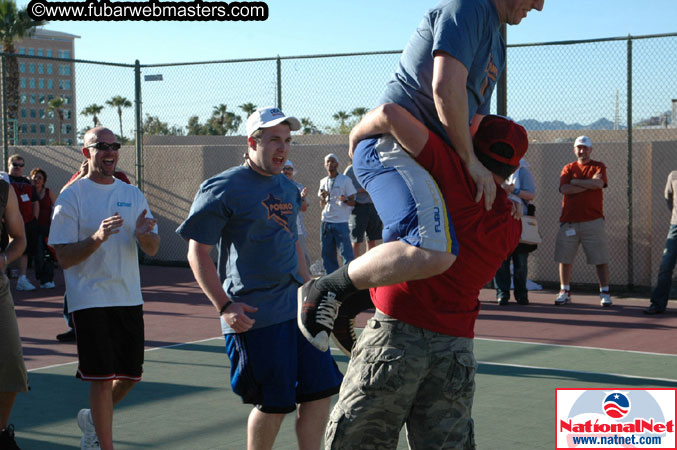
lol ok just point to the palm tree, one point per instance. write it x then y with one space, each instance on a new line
342 116
233 122
56 105
119 102
14 24
248 108
219 118
359 113
308 127
93 110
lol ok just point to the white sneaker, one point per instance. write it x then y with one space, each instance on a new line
89 440
48 285
22 284
563 298
605 299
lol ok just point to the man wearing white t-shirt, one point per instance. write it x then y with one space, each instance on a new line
337 196
97 223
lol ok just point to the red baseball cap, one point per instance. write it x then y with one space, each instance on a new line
494 129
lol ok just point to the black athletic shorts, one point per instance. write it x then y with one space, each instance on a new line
110 343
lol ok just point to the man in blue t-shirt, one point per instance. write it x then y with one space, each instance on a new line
445 79
250 212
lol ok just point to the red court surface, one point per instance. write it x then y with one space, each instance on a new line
176 312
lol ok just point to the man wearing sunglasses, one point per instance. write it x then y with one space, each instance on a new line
98 222
30 209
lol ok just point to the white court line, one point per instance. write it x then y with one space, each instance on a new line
577 347
634 377
146 350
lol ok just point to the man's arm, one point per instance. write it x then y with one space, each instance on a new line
391 118
208 278
594 183
15 229
73 254
148 241
303 268
451 101
668 193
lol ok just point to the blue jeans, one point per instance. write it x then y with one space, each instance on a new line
660 294
519 277
335 235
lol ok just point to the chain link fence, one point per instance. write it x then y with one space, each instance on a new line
185 122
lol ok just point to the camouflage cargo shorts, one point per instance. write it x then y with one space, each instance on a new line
402 374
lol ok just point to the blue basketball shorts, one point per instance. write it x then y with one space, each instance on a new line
275 368
406 196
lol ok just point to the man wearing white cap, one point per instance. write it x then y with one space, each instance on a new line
582 220
250 211
337 197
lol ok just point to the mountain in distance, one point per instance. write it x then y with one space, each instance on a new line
601 124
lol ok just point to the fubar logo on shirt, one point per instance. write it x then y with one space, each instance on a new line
278 211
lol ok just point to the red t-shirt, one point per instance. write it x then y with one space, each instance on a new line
26 195
117 174
587 205
449 303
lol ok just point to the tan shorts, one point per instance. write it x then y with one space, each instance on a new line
591 234
401 374
12 369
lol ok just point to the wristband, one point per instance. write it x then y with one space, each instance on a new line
223 308
516 191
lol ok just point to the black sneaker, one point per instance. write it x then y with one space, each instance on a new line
343 334
653 310
503 301
7 441
68 336
316 313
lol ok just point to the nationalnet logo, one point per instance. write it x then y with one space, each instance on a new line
615 418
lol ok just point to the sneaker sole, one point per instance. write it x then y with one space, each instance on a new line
321 341
341 346
605 305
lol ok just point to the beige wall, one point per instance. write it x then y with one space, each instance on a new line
173 174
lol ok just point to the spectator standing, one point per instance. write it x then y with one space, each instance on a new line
13 377
522 190
582 220
250 212
337 197
290 172
98 223
43 262
30 209
661 293
69 336
363 218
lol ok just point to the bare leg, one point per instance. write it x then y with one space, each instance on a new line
103 395
357 249
311 420
6 403
371 244
603 274
262 429
101 404
564 273
396 262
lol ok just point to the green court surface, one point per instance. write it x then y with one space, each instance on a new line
185 402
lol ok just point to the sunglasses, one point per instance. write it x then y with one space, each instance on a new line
17 165
287 168
115 146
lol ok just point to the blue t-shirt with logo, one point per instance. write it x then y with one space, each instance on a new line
469 31
251 218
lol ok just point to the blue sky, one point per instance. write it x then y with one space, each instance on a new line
301 27
305 27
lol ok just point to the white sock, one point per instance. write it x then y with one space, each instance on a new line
565 287
604 289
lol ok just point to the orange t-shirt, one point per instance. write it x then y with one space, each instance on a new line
587 205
